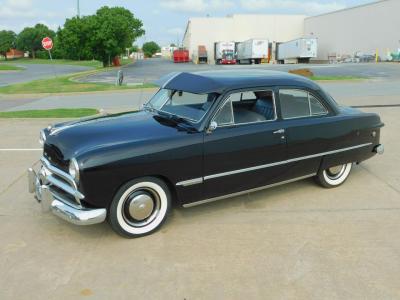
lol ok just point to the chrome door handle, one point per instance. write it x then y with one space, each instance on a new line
280 131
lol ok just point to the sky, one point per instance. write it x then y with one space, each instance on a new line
164 20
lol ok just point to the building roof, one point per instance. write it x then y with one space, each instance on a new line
204 82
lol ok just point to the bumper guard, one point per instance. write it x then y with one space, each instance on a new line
50 201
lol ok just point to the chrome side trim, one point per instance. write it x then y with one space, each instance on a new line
190 182
283 162
247 191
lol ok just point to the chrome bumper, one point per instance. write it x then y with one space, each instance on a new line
379 149
61 206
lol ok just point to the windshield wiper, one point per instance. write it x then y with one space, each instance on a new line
176 119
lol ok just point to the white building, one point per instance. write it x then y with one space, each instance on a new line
238 28
365 28
168 51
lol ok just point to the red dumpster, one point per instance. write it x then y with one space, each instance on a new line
181 55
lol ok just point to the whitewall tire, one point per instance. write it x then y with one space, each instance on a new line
139 207
334 176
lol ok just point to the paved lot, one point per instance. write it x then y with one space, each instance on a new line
37 71
369 92
297 241
152 69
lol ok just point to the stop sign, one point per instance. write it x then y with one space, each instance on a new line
47 43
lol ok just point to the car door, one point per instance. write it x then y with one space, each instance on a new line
245 149
308 123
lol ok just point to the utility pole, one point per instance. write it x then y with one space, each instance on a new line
78 11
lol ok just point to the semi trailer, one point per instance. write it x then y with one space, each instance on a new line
297 51
252 51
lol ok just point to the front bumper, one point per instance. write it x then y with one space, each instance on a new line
379 149
51 199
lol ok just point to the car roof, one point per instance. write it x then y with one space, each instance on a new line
203 82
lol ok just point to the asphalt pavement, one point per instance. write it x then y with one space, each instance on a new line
149 70
297 241
368 92
37 71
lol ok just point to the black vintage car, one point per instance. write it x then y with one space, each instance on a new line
202 137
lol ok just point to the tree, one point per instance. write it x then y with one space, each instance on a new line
112 31
134 48
7 40
150 48
74 39
30 38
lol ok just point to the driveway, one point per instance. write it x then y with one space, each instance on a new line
297 241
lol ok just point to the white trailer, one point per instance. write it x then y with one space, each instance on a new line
297 51
252 51
224 53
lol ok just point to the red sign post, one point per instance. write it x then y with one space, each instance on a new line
47 44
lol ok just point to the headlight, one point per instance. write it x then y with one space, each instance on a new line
74 169
42 137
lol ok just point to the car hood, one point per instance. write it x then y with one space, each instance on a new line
74 138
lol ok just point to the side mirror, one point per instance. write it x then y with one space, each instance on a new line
213 125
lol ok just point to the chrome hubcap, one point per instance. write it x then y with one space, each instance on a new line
141 206
335 172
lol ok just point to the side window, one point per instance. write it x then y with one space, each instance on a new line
294 103
316 107
298 103
247 107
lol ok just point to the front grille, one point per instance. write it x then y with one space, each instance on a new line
55 157
61 183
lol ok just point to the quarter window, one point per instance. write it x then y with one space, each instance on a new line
298 103
225 116
316 107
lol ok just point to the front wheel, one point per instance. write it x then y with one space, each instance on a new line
139 207
333 176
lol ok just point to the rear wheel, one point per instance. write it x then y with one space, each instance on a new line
333 176
139 207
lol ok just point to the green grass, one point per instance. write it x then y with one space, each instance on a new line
50 113
4 67
84 63
336 78
64 84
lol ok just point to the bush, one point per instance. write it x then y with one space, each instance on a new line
302 72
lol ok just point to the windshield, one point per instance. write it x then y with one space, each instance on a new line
227 54
186 105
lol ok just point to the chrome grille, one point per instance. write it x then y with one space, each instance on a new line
60 182
52 154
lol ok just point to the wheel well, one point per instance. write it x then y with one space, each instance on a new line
174 196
